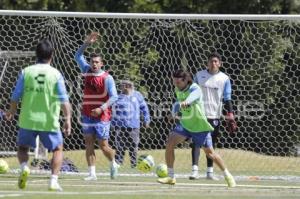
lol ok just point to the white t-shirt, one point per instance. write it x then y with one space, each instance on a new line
214 88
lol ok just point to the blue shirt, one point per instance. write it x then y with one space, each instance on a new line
128 109
109 81
19 89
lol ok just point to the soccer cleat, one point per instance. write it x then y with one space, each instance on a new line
90 178
54 186
114 171
210 176
167 180
230 181
22 182
194 175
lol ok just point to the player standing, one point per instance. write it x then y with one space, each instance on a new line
99 95
42 92
216 87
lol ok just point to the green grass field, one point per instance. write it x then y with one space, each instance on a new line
239 162
144 187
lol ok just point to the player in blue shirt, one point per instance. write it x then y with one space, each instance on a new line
126 119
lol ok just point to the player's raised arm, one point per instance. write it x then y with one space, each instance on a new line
79 57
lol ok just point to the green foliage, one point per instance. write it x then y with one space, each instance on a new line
262 55
159 6
145 6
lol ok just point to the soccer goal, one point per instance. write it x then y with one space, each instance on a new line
260 53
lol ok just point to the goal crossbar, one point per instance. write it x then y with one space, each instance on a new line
150 15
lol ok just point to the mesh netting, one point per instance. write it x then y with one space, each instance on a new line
261 58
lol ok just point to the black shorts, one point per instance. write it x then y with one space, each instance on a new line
215 123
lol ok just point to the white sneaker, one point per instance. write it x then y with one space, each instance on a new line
194 175
114 171
210 176
90 178
54 186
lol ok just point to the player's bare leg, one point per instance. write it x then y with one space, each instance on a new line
219 161
56 165
110 155
90 156
173 140
25 171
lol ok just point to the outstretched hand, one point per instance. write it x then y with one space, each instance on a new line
91 38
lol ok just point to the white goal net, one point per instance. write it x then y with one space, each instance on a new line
261 54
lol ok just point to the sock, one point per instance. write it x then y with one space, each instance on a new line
226 173
23 164
171 172
113 163
195 168
54 178
195 154
210 169
92 170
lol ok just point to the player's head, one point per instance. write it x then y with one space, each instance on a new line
182 79
214 62
126 86
96 62
44 51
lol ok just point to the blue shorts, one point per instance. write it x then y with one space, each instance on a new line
50 140
96 127
199 139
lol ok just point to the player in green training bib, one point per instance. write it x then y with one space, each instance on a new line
192 123
41 90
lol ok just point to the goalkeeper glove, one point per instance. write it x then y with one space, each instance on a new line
231 125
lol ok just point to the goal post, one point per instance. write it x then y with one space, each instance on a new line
260 53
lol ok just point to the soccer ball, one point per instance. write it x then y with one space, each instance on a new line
162 170
3 166
145 163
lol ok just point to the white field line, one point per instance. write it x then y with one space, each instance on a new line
82 193
139 184
10 195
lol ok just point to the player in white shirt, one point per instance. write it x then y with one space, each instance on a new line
216 89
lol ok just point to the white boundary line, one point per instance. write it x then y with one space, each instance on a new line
136 184
142 188
290 178
11 195
114 192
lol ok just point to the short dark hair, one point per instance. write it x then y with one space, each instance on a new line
95 55
185 75
44 50
215 54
